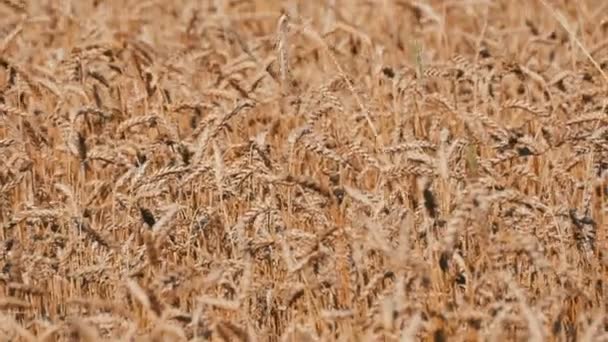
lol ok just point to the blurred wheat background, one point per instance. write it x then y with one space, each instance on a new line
327 170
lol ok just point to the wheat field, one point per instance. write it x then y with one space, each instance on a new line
327 170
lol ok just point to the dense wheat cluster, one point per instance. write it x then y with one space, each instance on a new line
328 170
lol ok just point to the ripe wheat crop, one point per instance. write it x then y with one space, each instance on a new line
325 170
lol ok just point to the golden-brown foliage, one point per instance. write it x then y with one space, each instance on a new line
303 171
